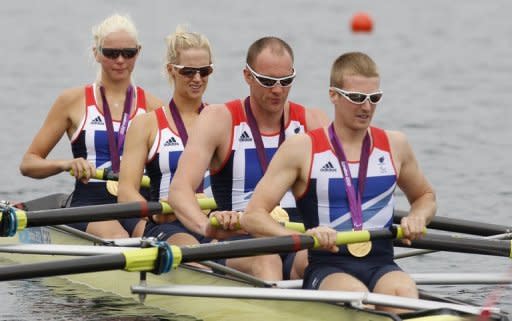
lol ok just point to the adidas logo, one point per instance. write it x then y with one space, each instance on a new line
97 121
245 137
171 142
328 167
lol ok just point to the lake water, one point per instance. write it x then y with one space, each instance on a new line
446 73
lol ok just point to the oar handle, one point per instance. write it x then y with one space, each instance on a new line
106 174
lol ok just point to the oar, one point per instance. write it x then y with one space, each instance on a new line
106 174
164 257
13 219
459 225
463 244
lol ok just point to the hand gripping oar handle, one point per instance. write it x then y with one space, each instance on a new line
93 213
107 174
163 257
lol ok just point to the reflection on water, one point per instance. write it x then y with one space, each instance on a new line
55 299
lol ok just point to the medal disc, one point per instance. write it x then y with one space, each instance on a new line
112 187
360 249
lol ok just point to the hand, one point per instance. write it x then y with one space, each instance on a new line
229 225
326 236
81 168
413 227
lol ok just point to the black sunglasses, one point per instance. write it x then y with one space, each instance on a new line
114 53
192 71
359 98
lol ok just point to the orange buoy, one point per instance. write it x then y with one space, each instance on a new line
362 22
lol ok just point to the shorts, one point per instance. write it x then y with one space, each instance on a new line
367 271
166 230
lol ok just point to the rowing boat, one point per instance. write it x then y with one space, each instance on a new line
208 294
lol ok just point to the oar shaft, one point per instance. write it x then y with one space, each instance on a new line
91 213
458 243
54 268
459 225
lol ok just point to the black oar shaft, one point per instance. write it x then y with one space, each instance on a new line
54 268
249 247
92 213
458 243
460 226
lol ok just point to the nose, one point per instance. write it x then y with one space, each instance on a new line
197 76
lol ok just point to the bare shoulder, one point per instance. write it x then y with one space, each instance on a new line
296 145
216 111
70 97
316 117
152 102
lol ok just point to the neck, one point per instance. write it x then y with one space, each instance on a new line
350 136
187 105
267 120
115 87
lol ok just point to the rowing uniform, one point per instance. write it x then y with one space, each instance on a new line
325 203
234 183
161 166
90 141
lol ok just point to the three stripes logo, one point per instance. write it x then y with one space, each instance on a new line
245 137
171 142
328 167
97 121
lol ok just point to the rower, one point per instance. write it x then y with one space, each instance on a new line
235 141
343 177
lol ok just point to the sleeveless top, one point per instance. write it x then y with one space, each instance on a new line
233 184
325 201
90 141
163 157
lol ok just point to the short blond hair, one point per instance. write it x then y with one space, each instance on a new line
352 63
182 40
115 22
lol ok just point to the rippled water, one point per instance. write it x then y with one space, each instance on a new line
445 69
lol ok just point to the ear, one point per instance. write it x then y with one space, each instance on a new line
333 96
247 76
96 53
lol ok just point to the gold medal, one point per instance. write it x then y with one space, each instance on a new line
360 249
112 187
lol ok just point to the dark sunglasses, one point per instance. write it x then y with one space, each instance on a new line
114 53
270 82
359 98
190 72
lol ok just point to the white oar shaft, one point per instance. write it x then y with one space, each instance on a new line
355 298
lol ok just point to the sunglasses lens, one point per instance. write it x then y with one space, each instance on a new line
110 53
375 98
267 82
129 53
287 81
356 97
205 71
187 71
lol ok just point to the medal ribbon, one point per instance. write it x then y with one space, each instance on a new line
354 200
182 130
115 147
256 134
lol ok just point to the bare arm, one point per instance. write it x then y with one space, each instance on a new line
316 118
288 169
136 149
63 117
207 141
415 186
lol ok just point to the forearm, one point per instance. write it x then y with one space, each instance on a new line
260 223
424 207
187 210
37 167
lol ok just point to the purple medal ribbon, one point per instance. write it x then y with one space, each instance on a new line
182 131
115 147
258 141
354 200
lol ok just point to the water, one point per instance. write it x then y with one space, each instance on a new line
445 69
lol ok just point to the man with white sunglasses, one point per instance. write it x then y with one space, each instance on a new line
236 141
343 177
